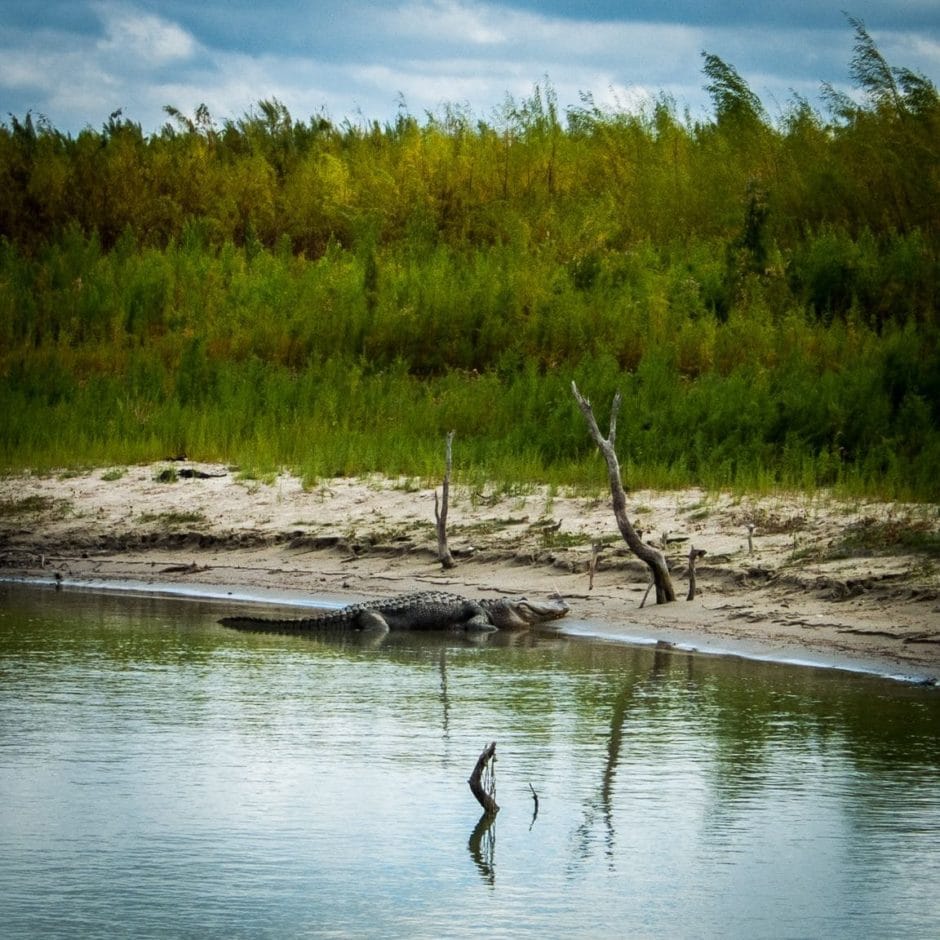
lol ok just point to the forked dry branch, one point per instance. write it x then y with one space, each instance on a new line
654 559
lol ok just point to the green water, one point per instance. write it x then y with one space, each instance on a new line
163 776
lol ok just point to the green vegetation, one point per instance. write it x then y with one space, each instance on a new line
26 506
872 536
31 506
273 292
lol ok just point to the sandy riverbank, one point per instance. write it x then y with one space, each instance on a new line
819 580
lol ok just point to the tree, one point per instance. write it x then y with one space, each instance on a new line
653 558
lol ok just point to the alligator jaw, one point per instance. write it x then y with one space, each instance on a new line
518 613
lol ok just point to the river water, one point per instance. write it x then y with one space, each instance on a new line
163 776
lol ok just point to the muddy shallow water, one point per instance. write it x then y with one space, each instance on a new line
162 775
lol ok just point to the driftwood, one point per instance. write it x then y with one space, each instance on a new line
482 843
654 559
191 568
483 780
440 513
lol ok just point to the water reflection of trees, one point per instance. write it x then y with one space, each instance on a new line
728 719
759 731
754 725
127 629
601 805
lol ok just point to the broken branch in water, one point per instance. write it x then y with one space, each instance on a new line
483 780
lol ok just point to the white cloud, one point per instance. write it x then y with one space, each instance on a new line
143 38
904 48
66 76
617 62
448 21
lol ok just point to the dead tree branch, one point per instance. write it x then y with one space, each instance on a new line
483 784
440 513
654 559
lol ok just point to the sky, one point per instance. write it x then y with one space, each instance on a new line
74 62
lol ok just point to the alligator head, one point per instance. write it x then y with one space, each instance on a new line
517 613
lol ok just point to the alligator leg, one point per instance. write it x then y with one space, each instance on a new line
371 621
479 623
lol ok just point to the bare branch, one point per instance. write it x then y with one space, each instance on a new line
655 559
485 797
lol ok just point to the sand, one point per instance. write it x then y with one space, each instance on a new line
786 577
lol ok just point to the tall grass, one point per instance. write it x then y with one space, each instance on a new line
274 361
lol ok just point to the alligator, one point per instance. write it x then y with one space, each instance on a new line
424 610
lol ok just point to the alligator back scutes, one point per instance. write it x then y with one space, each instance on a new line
422 610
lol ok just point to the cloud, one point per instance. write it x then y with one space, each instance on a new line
56 71
448 21
514 49
142 39
77 78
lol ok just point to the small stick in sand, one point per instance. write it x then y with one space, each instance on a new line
694 555
440 512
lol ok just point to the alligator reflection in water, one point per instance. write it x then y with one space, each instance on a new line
339 638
